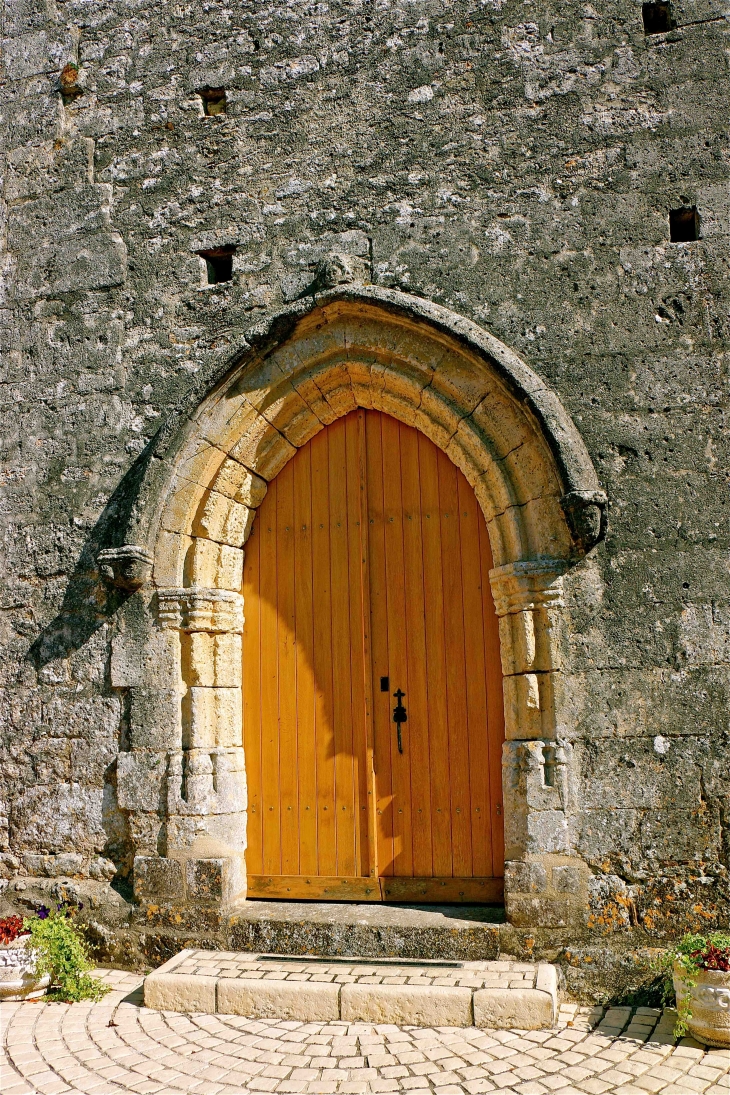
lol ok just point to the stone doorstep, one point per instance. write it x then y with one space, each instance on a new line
497 995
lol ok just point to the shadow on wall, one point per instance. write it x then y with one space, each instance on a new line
90 600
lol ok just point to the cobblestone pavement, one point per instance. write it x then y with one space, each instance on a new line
118 1046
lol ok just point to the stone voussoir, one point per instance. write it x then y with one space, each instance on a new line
499 995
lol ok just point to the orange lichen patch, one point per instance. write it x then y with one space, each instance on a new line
69 76
615 914
649 919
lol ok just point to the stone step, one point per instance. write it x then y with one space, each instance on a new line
499 995
464 932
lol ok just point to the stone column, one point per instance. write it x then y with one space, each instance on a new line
545 884
205 784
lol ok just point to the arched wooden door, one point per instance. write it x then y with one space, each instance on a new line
366 574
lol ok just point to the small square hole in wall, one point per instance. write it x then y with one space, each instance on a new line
658 18
214 100
684 225
218 264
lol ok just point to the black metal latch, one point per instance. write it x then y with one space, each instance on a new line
399 717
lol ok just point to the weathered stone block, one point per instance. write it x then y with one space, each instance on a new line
213 565
264 448
570 880
88 261
237 482
157 879
58 817
527 877
140 780
547 831
525 1009
212 660
173 549
409 1005
171 992
38 51
225 521
212 717
154 722
305 1001
524 705
205 880
548 911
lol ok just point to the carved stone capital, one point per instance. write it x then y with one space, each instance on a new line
197 609
128 567
532 584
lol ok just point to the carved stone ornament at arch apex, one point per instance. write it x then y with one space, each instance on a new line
533 478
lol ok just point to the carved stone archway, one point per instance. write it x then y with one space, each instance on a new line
182 780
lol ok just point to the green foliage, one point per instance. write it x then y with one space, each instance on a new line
691 955
61 951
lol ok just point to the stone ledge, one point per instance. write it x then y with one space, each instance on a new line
499 995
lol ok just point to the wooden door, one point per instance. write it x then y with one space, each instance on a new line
367 573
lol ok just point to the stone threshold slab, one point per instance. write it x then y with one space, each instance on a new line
468 933
499 995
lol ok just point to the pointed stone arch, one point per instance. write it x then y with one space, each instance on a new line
518 448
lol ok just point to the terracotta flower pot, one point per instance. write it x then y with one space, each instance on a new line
19 979
710 1006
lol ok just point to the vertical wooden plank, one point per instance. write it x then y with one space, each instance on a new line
495 704
323 712
379 643
470 517
251 678
362 683
417 728
286 675
305 683
341 664
440 775
270 790
397 642
455 669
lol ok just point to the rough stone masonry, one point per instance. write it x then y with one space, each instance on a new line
190 190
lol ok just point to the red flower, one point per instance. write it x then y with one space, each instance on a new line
713 958
10 928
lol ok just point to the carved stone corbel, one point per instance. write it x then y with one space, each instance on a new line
128 567
586 512
337 268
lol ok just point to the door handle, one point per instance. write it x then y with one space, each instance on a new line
399 716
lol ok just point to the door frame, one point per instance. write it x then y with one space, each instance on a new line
182 782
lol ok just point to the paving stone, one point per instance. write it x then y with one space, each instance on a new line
59 1048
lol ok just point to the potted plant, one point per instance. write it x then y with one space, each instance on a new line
698 966
20 978
46 951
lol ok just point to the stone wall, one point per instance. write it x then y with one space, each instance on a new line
516 163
